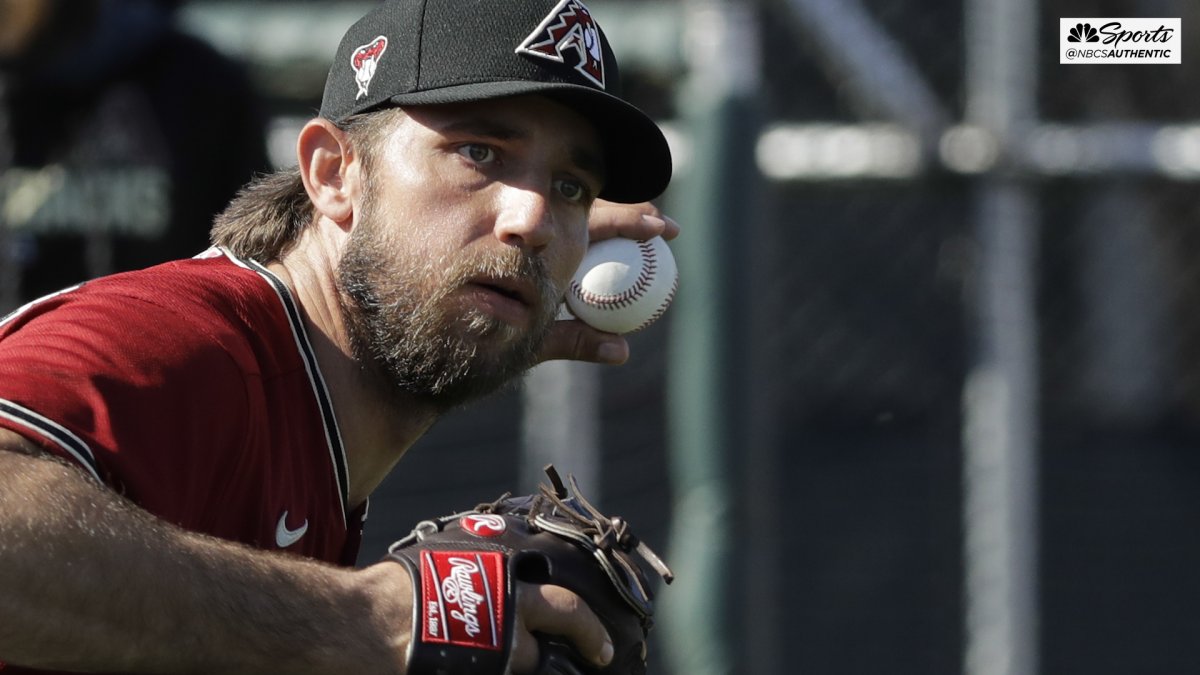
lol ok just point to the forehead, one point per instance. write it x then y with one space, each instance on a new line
530 118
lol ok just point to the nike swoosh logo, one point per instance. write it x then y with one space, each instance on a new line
285 537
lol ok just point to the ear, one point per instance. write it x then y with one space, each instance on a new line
330 170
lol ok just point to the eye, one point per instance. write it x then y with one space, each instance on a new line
572 190
478 153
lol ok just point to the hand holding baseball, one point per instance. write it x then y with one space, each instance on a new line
623 285
575 339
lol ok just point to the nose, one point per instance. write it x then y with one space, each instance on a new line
524 218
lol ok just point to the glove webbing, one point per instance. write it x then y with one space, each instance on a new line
606 532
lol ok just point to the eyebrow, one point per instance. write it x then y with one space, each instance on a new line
484 127
584 158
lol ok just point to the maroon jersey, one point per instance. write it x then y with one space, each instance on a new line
190 388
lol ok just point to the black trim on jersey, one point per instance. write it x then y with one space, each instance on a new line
60 435
332 434
75 446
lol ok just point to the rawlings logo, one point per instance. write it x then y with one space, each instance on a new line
483 524
364 61
464 598
569 28
459 589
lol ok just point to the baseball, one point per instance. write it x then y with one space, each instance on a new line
623 285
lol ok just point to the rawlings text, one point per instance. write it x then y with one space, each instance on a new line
464 598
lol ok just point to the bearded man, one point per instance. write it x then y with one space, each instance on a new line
186 451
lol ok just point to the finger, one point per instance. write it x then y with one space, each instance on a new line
577 341
525 653
555 610
632 221
670 229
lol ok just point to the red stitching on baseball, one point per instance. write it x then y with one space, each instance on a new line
627 297
662 308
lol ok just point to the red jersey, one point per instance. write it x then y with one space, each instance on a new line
190 388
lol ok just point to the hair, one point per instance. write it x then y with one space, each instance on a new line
265 219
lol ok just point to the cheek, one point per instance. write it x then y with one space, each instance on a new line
424 223
565 264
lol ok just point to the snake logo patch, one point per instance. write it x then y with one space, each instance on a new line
364 61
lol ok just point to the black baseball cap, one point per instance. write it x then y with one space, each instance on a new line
414 52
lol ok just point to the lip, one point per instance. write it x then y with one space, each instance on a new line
510 300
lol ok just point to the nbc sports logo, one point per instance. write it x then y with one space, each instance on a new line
1139 40
1083 32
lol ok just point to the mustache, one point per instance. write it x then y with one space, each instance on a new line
509 265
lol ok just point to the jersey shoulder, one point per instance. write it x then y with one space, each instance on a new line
213 301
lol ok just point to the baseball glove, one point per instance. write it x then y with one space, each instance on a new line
466 567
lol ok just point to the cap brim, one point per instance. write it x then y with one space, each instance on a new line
636 155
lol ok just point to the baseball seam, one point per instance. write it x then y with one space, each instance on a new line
630 295
662 307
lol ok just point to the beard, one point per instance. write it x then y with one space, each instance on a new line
419 341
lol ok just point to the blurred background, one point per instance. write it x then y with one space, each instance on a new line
926 401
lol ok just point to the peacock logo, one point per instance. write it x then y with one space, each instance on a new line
1083 32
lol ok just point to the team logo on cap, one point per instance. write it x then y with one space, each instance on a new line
364 61
569 28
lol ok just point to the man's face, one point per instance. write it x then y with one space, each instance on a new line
473 220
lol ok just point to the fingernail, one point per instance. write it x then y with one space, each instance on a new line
654 221
606 652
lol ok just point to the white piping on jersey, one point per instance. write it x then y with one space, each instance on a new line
62 437
333 435
34 303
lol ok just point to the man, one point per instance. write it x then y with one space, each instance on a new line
186 451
